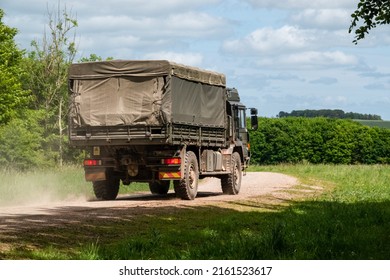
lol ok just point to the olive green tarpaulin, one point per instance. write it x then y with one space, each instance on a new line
131 92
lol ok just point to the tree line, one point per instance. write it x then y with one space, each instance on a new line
337 114
34 94
319 141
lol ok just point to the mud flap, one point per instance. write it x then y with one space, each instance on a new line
183 152
95 175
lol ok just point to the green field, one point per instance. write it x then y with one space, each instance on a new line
375 123
350 219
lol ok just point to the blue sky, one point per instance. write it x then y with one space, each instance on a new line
280 55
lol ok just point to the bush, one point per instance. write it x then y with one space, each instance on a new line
21 142
318 140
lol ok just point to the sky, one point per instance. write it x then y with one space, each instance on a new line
280 55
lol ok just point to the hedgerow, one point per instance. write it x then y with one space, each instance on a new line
318 140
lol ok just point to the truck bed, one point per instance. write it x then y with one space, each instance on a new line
146 103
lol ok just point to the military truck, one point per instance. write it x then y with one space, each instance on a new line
157 121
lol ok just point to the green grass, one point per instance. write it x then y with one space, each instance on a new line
349 220
346 183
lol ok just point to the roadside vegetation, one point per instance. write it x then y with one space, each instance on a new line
319 141
348 219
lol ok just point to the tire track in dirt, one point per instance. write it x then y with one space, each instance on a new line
81 212
209 192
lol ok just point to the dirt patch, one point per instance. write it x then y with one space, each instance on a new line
209 192
263 188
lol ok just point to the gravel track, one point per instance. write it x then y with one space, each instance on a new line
209 192
20 220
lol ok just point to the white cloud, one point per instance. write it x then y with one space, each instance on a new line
197 24
335 101
378 86
323 18
270 40
303 4
150 8
330 58
307 60
125 35
324 81
86 8
122 27
292 46
194 59
188 25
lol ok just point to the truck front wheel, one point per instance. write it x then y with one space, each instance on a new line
107 189
231 183
187 188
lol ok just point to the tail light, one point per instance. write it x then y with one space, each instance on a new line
92 162
171 161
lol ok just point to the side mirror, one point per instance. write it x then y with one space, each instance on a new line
254 119
253 111
254 122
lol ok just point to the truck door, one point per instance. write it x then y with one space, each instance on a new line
241 133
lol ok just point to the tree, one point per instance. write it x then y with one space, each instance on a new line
12 95
21 142
328 113
93 58
48 67
373 13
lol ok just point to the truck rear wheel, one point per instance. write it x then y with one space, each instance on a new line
187 188
231 183
159 187
107 189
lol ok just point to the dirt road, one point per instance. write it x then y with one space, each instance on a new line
80 211
209 192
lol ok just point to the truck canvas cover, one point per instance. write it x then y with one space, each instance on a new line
153 92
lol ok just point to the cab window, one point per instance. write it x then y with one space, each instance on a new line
241 118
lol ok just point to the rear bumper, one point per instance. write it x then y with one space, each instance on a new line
100 136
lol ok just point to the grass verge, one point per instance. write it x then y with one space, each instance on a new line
350 220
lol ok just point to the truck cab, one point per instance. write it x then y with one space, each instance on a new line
238 131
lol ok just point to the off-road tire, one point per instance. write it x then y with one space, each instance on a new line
231 183
159 187
187 188
107 189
